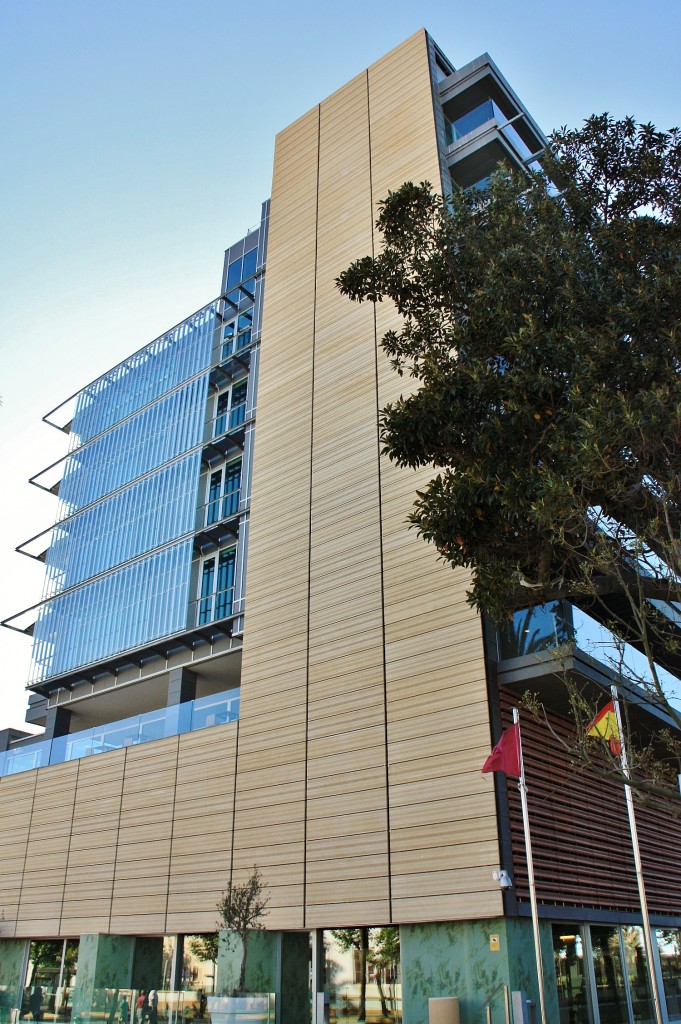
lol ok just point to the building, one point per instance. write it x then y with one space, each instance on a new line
243 656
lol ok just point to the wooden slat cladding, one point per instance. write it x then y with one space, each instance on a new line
435 674
580 833
272 730
360 654
346 641
131 841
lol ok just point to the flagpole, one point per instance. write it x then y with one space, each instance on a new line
637 861
530 872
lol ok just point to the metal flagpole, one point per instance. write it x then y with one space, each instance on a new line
530 873
637 860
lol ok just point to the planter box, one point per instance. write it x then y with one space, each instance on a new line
248 1009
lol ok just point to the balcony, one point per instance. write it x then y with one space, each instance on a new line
488 114
224 434
193 715
546 641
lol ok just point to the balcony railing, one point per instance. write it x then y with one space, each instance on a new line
215 709
483 114
560 623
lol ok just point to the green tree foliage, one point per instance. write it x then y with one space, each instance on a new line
241 908
205 947
541 327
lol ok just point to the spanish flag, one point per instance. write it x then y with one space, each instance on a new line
605 726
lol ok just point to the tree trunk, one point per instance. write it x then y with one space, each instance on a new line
385 1009
363 950
242 972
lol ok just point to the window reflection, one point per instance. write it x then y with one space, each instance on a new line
669 946
607 963
568 956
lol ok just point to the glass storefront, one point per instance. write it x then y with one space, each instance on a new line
602 974
669 946
50 978
571 980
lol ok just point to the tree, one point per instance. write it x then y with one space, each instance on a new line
356 939
384 955
543 329
205 949
378 947
241 908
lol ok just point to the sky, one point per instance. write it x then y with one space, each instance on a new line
138 138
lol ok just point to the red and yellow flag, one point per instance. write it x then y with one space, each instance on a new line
605 726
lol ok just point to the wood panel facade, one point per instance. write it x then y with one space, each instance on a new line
134 842
363 672
352 778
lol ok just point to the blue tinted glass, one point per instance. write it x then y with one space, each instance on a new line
250 260
144 516
234 273
178 355
128 608
153 437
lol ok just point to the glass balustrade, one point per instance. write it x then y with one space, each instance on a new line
191 716
559 622
476 118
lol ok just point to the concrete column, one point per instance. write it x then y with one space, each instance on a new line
104 961
468 959
181 686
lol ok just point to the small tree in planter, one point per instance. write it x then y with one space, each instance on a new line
241 909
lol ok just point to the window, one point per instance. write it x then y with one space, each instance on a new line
236 335
223 492
241 272
217 587
230 408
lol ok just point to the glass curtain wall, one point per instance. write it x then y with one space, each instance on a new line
125 609
50 978
145 376
119 563
144 516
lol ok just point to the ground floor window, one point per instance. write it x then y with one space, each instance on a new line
602 973
50 978
362 974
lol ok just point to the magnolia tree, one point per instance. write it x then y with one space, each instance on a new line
541 327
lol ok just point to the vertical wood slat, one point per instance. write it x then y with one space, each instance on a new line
275 655
434 658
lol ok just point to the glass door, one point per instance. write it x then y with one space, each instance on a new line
611 991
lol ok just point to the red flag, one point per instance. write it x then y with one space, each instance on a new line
506 755
605 726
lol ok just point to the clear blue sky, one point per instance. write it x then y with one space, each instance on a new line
137 143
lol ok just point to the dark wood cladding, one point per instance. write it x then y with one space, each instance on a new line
581 842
